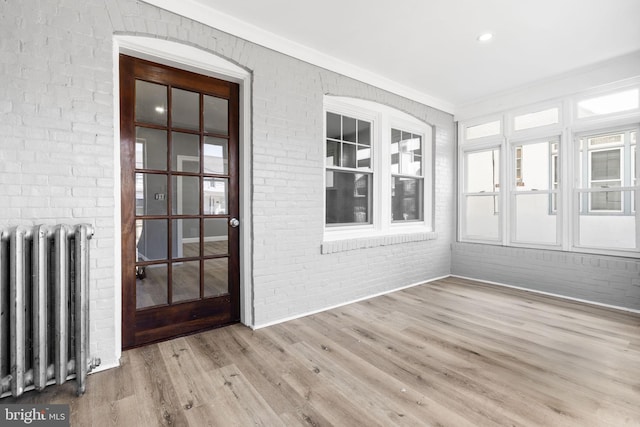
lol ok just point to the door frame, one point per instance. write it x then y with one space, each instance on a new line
189 58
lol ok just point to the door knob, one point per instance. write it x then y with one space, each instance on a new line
233 222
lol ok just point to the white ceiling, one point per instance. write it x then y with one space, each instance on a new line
429 46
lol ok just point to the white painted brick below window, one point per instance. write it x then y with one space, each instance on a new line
602 279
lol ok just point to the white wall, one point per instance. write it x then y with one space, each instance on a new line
608 280
58 151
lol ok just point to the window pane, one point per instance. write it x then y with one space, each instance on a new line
364 157
185 152
151 239
151 103
185 195
364 132
485 129
151 286
333 153
482 171
348 156
539 118
410 158
216 236
535 166
605 164
607 231
185 280
216 155
598 141
406 153
406 199
186 238
535 220
216 277
396 137
334 126
185 110
348 197
481 217
348 129
613 103
151 194
216 115
606 200
151 149
215 196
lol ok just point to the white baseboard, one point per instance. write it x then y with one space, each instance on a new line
309 313
549 294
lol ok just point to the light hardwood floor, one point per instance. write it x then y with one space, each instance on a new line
447 353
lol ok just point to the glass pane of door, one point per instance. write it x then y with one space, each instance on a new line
185 153
186 238
216 236
216 273
151 103
185 280
151 285
151 149
216 156
216 115
185 109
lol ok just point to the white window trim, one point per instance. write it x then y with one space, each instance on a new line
569 128
383 118
511 192
486 145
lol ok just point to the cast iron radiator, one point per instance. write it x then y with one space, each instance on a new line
44 307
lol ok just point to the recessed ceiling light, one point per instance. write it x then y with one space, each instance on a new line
485 37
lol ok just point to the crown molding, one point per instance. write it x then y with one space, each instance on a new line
206 15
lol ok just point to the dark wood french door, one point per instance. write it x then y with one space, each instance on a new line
180 201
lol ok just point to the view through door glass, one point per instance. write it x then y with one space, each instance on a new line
179 155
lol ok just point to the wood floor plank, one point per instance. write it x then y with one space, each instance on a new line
453 352
186 374
158 403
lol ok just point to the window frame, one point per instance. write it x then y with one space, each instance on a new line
582 180
514 192
568 129
382 119
488 145
370 171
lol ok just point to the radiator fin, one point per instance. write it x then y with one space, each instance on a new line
44 307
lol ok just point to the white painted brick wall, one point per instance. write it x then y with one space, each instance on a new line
56 133
57 156
603 279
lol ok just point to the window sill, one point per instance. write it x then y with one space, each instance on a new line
351 244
